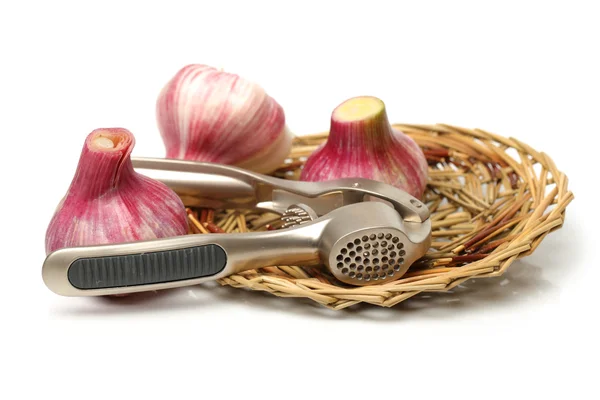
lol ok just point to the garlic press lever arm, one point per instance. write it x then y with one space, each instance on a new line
223 186
173 262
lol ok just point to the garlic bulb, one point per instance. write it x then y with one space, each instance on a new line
205 114
108 202
363 144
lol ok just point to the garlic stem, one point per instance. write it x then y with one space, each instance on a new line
102 165
360 121
359 108
103 142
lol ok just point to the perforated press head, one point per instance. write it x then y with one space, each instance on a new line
372 255
380 250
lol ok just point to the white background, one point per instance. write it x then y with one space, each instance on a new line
523 69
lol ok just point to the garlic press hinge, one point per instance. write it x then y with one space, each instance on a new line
324 197
282 200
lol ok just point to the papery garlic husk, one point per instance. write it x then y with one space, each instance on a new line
363 144
209 115
108 202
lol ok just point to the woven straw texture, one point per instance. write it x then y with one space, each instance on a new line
492 200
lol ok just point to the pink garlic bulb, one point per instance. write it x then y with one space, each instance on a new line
205 114
108 202
363 144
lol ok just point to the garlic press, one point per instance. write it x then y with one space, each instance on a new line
365 232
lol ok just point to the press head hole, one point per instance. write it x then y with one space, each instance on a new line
376 268
359 276
352 274
366 254
400 245
375 245
396 267
376 261
401 261
388 236
367 277
352 254
383 251
366 261
375 252
340 265
343 251
372 237
380 236
367 246
390 272
369 269
383 244
360 268
352 266
375 277
340 257
395 239
356 241
385 266
393 254
402 252
345 271
358 259
384 259
358 249
349 245
347 260
365 238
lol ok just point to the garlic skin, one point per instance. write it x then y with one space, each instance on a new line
205 114
363 144
108 202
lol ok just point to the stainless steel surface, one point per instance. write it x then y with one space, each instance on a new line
352 223
297 214
318 242
244 251
222 186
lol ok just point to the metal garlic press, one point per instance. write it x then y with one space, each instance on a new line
365 232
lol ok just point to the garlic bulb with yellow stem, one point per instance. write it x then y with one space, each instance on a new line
363 144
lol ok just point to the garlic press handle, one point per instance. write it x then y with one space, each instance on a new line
174 262
202 184
223 186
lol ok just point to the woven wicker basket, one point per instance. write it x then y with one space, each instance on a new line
492 200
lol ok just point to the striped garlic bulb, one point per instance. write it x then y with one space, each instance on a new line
205 114
363 144
108 202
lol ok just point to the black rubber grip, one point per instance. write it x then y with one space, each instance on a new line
147 268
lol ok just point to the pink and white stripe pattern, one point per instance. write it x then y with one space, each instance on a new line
108 202
205 114
369 148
